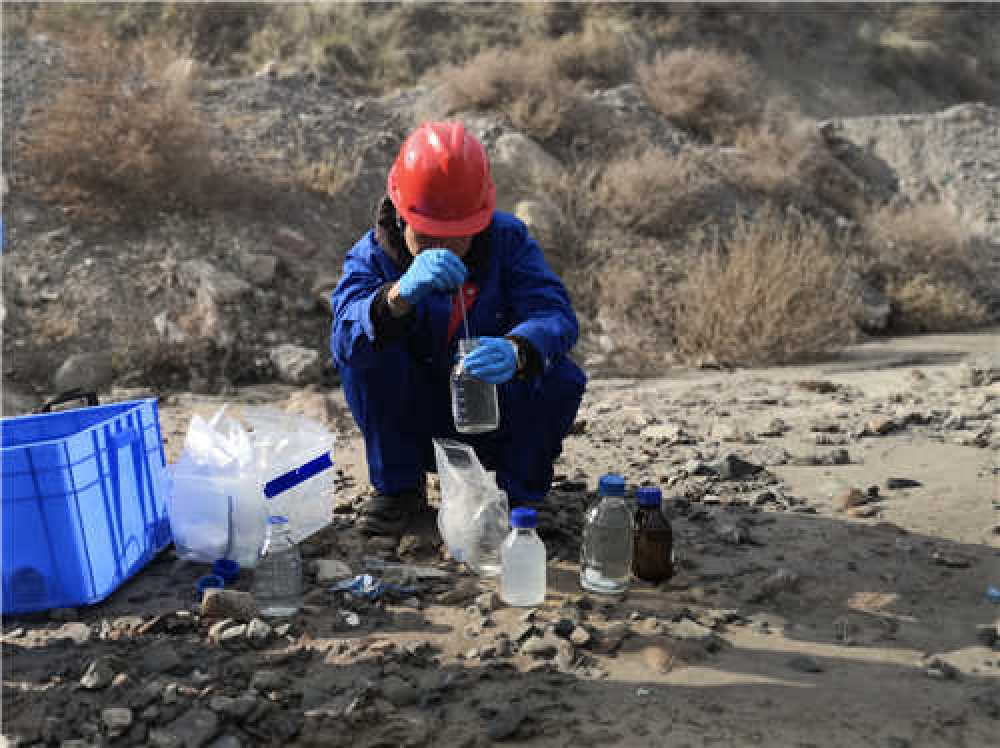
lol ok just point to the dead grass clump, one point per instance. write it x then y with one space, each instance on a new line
714 94
658 194
122 131
930 265
771 294
924 303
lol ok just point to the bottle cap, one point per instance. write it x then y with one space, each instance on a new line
226 568
524 518
611 485
649 496
277 519
210 582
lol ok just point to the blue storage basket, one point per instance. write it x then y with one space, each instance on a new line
83 503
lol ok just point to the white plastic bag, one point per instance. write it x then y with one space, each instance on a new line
218 500
474 513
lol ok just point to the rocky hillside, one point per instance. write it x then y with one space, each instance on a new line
230 285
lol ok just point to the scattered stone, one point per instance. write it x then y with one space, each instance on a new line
330 570
988 635
295 364
982 371
170 694
226 741
780 581
351 618
117 719
258 631
488 602
541 646
863 512
465 590
161 658
838 457
880 426
565 656
505 723
688 629
734 534
99 674
399 692
952 561
238 708
164 739
563 628
79 633
267 680
611 639
898 483
233 633
239 606
192 729
941 670
580 637
696 467
732 467
804 664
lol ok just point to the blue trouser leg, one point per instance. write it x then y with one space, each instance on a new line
400 405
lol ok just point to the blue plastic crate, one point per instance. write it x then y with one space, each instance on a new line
83 503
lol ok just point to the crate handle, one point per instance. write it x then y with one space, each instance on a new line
64 397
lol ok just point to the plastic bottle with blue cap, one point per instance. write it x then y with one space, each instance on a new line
606 553
522 583
277 578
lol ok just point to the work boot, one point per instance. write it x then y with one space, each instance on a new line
382 514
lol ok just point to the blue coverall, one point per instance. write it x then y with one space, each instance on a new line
399 391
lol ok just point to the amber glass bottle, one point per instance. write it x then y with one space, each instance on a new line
652 557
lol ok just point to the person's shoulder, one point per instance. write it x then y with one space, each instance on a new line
508 229
365 247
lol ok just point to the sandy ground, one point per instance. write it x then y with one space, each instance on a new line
875 644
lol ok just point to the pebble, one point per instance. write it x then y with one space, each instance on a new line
941 670
350 618
192 729
399 692
117 719
804 664
239 606
79 633
688 629
226 741
780 581
565 655
258 630
580 636
541 646
99 674
488 602
505 723
233 633
330 570
850 498
899 483
267 680
170 694
863 512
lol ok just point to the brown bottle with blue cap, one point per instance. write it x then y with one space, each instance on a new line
652 554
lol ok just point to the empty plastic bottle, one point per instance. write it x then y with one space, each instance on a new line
473 401
606 555
277 578
652 554
523 581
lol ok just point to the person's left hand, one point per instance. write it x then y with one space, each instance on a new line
493 361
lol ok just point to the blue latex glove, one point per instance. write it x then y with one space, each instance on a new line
432 270
494 361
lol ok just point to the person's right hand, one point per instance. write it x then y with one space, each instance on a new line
432 270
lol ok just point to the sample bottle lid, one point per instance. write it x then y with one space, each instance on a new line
277 519
611 485
649 496
524 518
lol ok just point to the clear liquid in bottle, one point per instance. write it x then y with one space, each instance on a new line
277 578
606 554
473 401
522 583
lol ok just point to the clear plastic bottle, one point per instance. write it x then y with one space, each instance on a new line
277 579
491 527
473 401
652 554
606 555
523 555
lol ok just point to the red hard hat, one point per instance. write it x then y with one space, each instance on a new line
441 181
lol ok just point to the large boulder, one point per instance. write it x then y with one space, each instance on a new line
521 169
295 364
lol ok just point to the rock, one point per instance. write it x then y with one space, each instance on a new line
488 602
295 364
696 467
465 590
521 168
160 658
79 633
226 741
164 739
117 719
988 635
233 634
863 512
170 694
267 680
880 426
732 467
238 709
565 656
330 570
850 498
99 674
544 647
941 670
580 637
611 639
988 702
544 221
898 483
258 267
734 534
218 286
258 631
688 629
564 627
399 692
780 581
505 723
239 606
982 371
804 664
192 729
90 372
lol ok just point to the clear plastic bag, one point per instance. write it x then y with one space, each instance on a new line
474 515
236 470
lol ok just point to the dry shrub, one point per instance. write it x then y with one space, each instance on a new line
930 265
660 194
925 303
772 294
714 94
122 131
